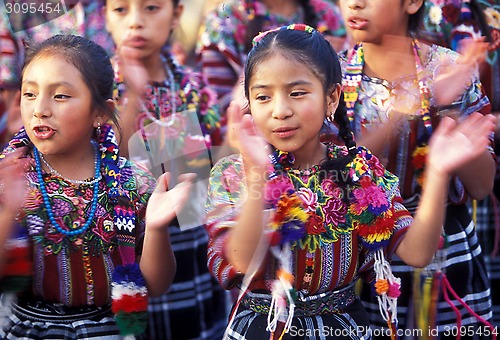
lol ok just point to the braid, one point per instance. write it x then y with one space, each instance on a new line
345 132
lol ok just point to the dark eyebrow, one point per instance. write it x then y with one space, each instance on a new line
54 85
288 85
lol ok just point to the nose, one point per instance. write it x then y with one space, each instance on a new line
355 4
41 108
136 18
281 109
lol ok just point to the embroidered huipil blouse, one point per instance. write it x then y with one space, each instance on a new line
190 93
76 270
377 98
342 234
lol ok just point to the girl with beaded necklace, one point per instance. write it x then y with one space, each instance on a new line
81 256
397 89
152 91
295 222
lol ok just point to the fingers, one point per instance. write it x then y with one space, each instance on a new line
187 178
162 183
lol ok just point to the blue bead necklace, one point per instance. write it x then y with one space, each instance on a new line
46 199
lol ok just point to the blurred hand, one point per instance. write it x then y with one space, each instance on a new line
243 135
133 70
452 81
13 182
454 144
165 204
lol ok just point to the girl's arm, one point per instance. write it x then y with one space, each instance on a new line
452 145
157 261
244 237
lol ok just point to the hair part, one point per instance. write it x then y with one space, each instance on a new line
89 58
315 52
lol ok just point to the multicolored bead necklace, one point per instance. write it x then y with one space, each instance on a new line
353 76
46 199
351 85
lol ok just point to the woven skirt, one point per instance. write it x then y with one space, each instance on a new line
21 321
349 321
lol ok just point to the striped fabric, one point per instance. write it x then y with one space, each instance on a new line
195 307
464 264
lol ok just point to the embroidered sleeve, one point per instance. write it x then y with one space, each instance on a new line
225 197
381 218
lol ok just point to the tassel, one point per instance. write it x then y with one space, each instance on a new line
387 287
446 287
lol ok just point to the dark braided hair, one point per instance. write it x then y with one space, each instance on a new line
311 49
256 25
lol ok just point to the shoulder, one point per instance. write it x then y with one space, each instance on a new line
135 176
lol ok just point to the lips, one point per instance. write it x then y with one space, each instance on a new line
285 131
136 41
356 23
43 132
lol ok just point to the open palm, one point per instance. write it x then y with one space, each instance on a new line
453 144
165 204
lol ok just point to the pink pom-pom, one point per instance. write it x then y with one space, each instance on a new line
394 290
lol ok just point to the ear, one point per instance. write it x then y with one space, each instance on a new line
176 18
413 6
103 116
333 101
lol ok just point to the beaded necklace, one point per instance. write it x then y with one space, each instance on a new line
353 76
46 199
351 85
75 181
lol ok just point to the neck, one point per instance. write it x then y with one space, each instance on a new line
75 165
306 158
390 59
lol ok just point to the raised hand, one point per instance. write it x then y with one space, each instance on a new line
453 144
452 80
244 136
133 70
165 204
13 187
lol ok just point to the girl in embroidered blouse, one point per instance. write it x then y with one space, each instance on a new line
227 32
79 249
294 222
152 92
396 89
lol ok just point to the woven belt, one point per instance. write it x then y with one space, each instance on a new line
322 304
39 311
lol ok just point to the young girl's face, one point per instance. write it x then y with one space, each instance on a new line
142 24
56 106
369 20
288 104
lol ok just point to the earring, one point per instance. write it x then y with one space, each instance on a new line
329 117
98 129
